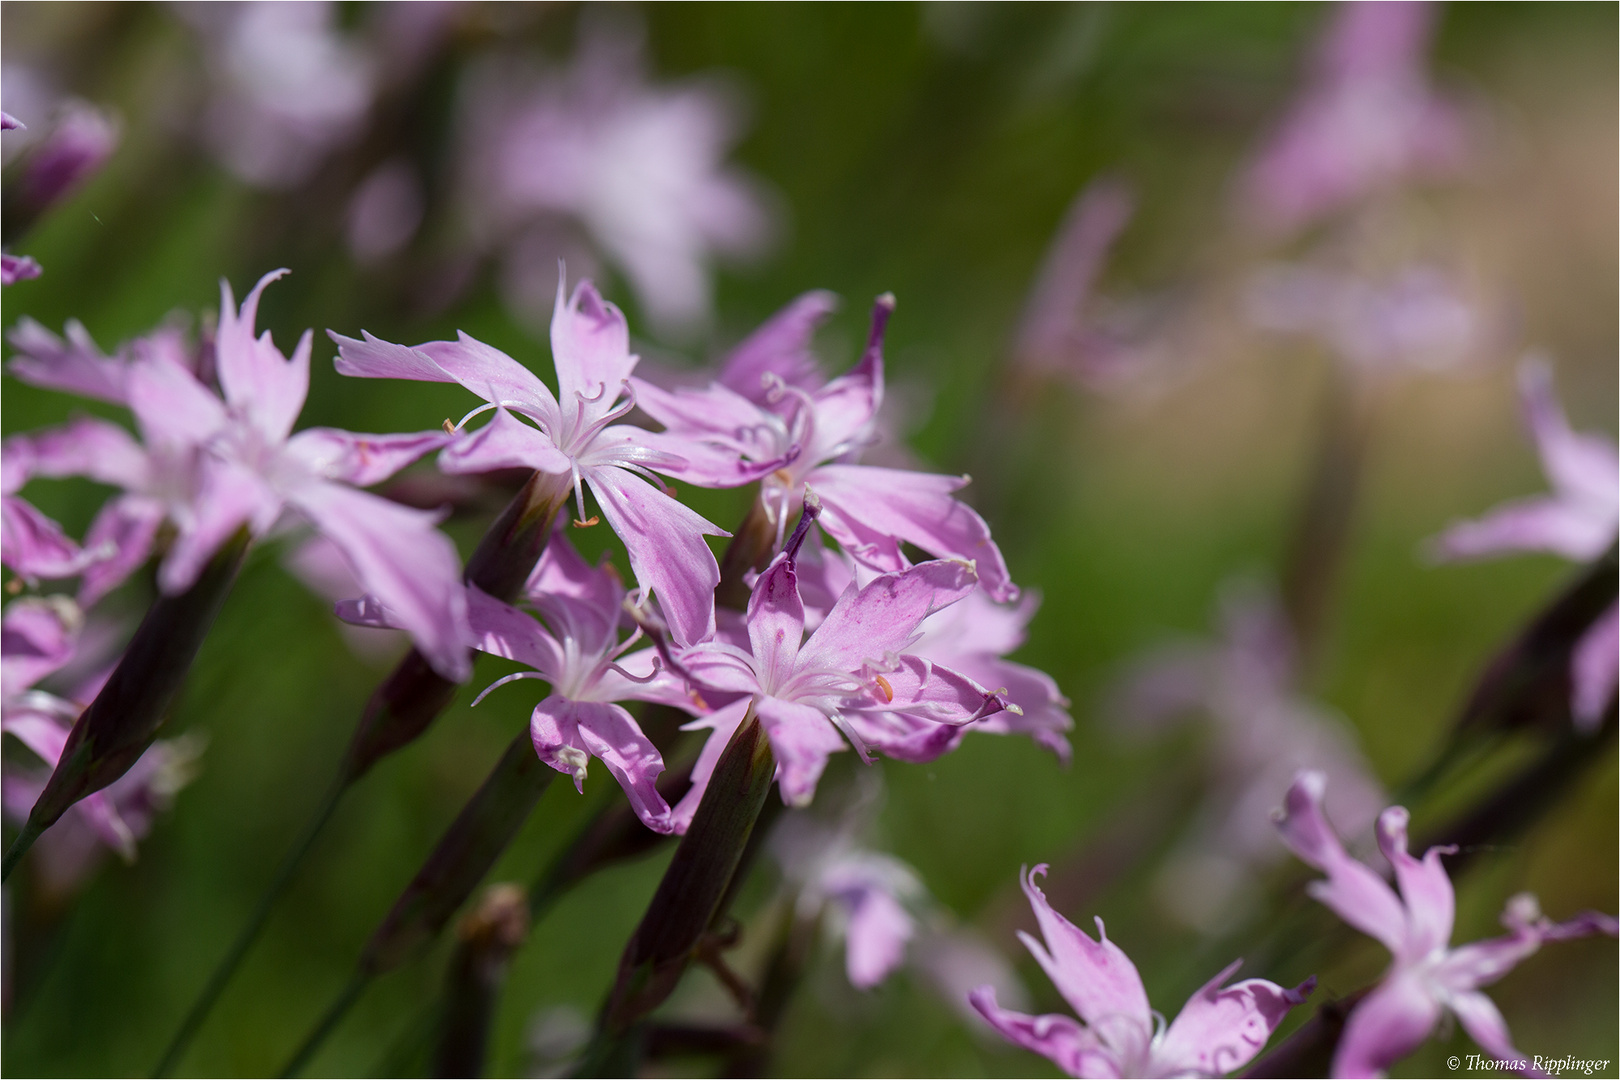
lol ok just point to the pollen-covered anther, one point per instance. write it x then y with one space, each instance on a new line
884 688
575 761
594 519
449 428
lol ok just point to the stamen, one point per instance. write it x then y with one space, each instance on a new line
579 490
849 733
643 680
588 522
812 511
885 688
514 677
449 428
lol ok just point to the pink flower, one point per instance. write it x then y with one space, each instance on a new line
575 647
1220 1029
39 636
15 268
856 661
211 466
1367 121
1418 320
576 437
640 166
1427 976
801 437
1578 520
1262 732
76 147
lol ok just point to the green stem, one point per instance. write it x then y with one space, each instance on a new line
334 1015
244 941
31 831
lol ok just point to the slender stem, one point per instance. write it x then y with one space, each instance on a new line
31 831
250 933
334 1015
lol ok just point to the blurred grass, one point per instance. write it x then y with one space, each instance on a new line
930 151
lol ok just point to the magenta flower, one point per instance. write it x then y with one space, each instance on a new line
640 167
1367 121
31 544
15 268
575 647
856 661
1579 520
576 437
1427 977
802 438
210 466
1220 1029
78 144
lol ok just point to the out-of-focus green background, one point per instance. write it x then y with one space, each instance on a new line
928 150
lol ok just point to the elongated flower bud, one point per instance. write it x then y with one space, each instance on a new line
413 695
1528 682
697 879
113 733
477 837
486 940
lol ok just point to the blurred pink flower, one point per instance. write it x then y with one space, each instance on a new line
15 268
576 437
640 167
1579 520
39 636
1262 733
799 437
575 647
855 661
1219 1030
1427 977
1367 120
1419 320
384 212
80 140
289 86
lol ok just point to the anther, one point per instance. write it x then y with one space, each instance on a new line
885 688
594 519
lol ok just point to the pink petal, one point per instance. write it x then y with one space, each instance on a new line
402 559
75 366
722 724
1540 523
171 406
493 375
668 555
1220 1030
228 498
776 622
1388 1024
37 636
1358 895
371 357
1059 1038
780 347
502 630
1095 977
802 738
1045 717
33 545
1595 669
260 384
504 443
606 732
875 941
120 538
1583 468
846 408
15 268
866 509
361 460
88 447
874 623
1482 1020
590 343
927 691
1431 905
